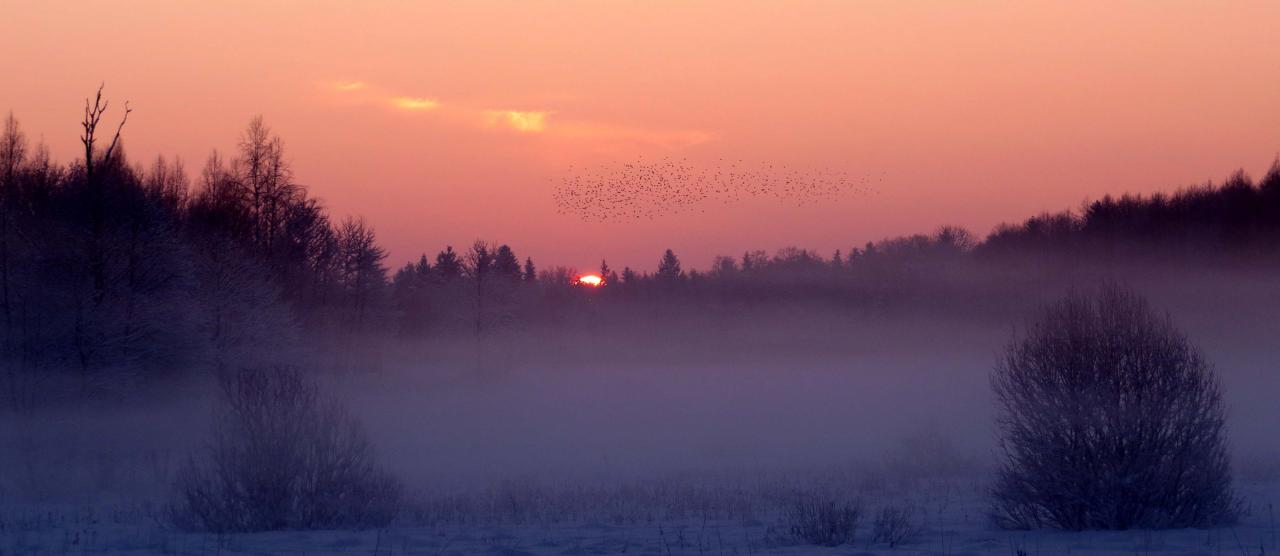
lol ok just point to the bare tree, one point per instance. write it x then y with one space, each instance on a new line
1110 419
480 267
267 179
364 278
13 147
242 318
92 117
13 154
13 150
167 184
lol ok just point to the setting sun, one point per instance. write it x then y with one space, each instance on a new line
592 280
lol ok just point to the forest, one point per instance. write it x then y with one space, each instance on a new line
115 274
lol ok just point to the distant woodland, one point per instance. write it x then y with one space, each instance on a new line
118 273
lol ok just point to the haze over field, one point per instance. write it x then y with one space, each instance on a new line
575 277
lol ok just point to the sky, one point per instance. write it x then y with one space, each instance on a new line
444 122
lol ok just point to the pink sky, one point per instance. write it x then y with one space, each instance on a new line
444 122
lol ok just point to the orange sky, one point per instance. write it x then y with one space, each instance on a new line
444 122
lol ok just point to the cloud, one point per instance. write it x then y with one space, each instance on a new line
415 103
522 121
595 132
531 122
362 92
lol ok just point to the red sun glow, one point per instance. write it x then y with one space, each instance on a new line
593 280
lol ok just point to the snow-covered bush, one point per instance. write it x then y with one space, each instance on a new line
1109 419
283 457
822 519
895 525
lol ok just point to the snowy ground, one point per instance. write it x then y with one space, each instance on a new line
663 518
599 459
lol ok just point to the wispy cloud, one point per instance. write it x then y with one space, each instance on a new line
415 103
519 120
362 92
522 122
539 121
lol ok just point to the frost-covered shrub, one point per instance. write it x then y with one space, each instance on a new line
1109 419
283 457
895 525
821 519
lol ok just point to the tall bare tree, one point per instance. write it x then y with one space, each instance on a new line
92 117
267 179
364 278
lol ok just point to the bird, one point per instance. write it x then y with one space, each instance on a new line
648 189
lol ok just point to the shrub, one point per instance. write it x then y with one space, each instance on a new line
821 519
1109 419
895 525
283 457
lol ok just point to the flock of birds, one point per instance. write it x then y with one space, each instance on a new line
649 189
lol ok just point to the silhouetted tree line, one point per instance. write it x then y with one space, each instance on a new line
1235 220
1235 224
486 290
477 291
871 275
113 274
